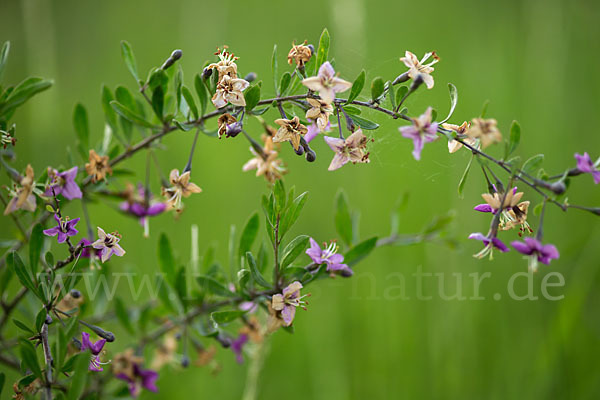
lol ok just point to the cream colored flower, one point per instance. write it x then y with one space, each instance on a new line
486 130
226 65
300 53
290 130
165 352
326 83
23 197
512 199
180 187
229 90
455 145
418 68
516 216
319 112
266 163
98 167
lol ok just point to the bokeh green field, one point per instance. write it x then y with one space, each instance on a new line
536 61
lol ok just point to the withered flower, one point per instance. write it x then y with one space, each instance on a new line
226 64
300 53
23 197
223 121
351 149
486 130
98 167
180 187
266 163
290 130
319 112
455 145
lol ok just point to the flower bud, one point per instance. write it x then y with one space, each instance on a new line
312 49
75 293
185 361
558 187
206 73
48 320
225 341
401 78
234 129
418 81
346 273
250 77
176 55
109 336
299 151
311 156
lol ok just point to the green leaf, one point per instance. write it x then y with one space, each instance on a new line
17 264
279 193
439 223
36 241
463 178
109 113
129 59
130 115
391 94
201 92
364 123
533 164
23 92
323 51
82 129
225 317
360 251
342 218
213 286
515 139
284 84
3 59
23 326
401 92
248 235
377 88
274 68
291 216
453 101
357 86
40 318
2 376
252 96
256 275
123 315
80 374
166 259
187 95
293 250
29 358
158 102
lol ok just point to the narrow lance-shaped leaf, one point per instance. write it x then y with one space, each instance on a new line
129 59
463 179
213 286
36 241
129 115
453 101
225 317
323 51
4 57
357 86
256 275
514 140
533 164
166 259
342 218
293 250
187 95
158 102
360 251
274 67
248 235
377 88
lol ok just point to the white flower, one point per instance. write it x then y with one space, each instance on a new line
418 68
326 83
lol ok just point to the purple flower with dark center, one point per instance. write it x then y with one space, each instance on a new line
490 243
421 131
238 345
537 251
329 256
64 183
141 379
95 348
585 164
142 207
64 229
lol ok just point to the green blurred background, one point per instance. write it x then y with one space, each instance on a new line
537 63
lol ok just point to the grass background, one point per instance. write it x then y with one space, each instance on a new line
535 60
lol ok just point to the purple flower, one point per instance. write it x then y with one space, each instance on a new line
64 229
141 378
94 348
313 131
285 303
492 201
421 131
64 183
326 83
489 243
538 251
238 345
108 243
142 206
328 256
585 164
351 149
